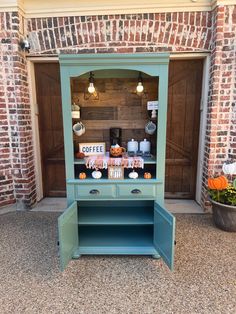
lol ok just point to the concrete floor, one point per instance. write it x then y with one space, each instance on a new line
203 281
58 204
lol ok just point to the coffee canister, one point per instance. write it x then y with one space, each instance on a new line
145 146
132 146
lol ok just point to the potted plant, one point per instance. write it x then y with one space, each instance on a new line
223 199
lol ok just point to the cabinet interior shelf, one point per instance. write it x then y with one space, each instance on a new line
110 181
115 236
115 216
116 250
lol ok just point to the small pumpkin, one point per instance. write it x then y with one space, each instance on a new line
229 168
82 175
133 175
219 183
96 174
80 155
147 175
117 151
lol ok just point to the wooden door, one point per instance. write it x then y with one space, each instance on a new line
184 97
48 92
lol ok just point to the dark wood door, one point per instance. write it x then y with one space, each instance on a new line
48 92
184 97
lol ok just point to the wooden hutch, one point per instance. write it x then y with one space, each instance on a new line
109 216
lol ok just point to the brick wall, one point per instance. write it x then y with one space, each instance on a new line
121 33
220 142
16 168
175 32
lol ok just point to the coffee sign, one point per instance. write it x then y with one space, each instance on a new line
90 149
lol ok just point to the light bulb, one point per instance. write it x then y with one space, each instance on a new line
139 87
91 88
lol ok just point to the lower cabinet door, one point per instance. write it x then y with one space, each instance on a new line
68 234
164 234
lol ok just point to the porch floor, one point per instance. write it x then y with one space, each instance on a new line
203 280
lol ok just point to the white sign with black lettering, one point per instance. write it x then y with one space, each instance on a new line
90 149
152 105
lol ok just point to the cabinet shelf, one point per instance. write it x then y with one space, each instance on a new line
115 236
115 216
116 250
110 181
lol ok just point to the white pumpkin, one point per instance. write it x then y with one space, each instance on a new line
96 174
229 168
133 175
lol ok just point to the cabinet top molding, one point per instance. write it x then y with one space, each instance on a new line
150 63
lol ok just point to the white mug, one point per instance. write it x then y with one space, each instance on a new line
150 128
79 128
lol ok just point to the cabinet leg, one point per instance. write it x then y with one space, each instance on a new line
156 256
76 256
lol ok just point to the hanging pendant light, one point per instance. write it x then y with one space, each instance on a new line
139 87
91 88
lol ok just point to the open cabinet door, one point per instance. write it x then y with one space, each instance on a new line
68 234
164 234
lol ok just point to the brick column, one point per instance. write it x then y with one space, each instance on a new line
220 141
6 179
17 161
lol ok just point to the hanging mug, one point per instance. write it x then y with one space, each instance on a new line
79 128
150 128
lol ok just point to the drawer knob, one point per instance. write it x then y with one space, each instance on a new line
94 192
136 191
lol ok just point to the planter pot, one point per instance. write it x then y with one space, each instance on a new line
224 216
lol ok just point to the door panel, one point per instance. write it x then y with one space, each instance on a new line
184 96
48 91
68 234
164 234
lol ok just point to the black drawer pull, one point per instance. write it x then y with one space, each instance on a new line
136 191
94 192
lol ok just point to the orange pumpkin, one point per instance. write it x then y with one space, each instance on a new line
147 175
82 175
219 183
80 155
117 151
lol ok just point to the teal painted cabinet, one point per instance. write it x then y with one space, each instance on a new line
116 216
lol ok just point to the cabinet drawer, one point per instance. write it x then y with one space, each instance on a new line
95 192
136 191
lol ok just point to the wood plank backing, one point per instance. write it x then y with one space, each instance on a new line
117 105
